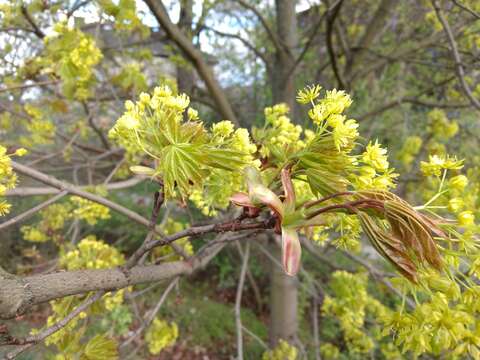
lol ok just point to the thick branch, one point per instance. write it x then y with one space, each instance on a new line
195 56
456 55
18 295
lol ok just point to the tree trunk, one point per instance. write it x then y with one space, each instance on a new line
283 79
283 291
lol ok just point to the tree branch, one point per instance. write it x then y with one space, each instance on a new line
466 8
371 32
456 55
20 294
279 46
243 41
31 340
238 302
331 16
32 211
35 190
195 56
36 30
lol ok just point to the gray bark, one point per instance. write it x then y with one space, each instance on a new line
283 288
18 294
185 75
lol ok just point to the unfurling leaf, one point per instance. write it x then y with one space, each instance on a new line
100 347
291 251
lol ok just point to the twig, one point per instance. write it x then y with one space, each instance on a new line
27 86
32 211
34 191
238 302
331 16
32 340
149 318
273 37
466 8
456 55
37 31
49 180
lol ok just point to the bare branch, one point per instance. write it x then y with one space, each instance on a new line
36 30
34 191
28 86
331 16
17 295
151 316
238 301
94 127
32 211
279 46
466 8
371 32
456 55
32 340
244 41
195 56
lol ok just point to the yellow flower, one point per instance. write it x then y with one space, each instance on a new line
308 94
455 204
466 218
458 182
376 156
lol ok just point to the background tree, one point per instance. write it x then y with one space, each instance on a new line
67 69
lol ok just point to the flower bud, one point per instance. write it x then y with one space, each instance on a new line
466 218
458 182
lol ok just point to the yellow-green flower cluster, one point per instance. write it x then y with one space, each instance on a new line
329 351
221 184
160 335
89 211
8 178
41 130
92 254
171 227
283 351
436 327
349 230
349 304
53 219
437 164
374 172
72 55
308 94
125 14
440 126
184 151
410 149
281 133
328 112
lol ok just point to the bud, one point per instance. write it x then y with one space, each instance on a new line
458 182
21 152
455 204
142 170
466 218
